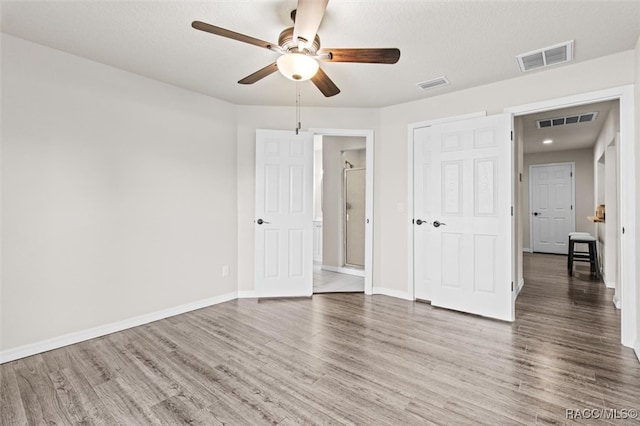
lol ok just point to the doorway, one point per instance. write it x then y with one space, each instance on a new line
355 147
623 245
626 204
339 213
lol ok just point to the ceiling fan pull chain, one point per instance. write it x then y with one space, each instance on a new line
298 127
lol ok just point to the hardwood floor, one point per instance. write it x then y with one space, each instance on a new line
344 359
334 282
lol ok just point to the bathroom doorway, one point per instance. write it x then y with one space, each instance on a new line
340 166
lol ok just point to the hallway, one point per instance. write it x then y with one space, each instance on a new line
571 325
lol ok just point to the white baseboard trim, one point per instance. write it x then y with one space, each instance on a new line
392 292
607 283
80 336
526 250
616 302
519 287
246 294
343 270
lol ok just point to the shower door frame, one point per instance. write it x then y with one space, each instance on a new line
344 215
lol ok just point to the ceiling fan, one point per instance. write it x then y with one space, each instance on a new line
299 49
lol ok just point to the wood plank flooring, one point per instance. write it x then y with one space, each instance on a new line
335 282
344 359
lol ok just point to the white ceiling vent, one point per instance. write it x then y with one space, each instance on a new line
430 84
546 57
569 119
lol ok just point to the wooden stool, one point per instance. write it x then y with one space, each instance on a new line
582 256
571 234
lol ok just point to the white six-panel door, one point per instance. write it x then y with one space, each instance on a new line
552 214
284 214
462 210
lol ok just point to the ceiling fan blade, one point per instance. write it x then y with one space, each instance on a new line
367 56
260 74
203 26
308 16
325 84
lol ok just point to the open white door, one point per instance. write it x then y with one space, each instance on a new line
462 216
284 214
552 214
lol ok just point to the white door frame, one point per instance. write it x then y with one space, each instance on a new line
573 196
411 291
368 239
627 172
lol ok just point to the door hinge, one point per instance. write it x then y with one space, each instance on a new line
623 229
520 177
511 210
570 174
511 285
512 135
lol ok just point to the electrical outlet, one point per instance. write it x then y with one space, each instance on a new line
225 270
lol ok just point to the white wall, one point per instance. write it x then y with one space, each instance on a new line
637 221
606 187
391 149
119 195
119 192
610 241
251 118
584 207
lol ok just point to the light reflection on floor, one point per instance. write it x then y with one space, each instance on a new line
334 282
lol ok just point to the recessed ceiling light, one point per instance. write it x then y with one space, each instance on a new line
547 141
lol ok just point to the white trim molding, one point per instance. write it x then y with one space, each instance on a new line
247 294
343 270
608 283
102 330
519 287
636 349
369 191
399 294
616 301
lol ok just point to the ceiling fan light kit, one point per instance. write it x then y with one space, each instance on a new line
297 66
298 60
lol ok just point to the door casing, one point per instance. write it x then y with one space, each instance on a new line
369 159
627 179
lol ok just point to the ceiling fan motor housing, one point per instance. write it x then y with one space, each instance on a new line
287 43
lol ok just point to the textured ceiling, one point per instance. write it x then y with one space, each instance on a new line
569 136
470 42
